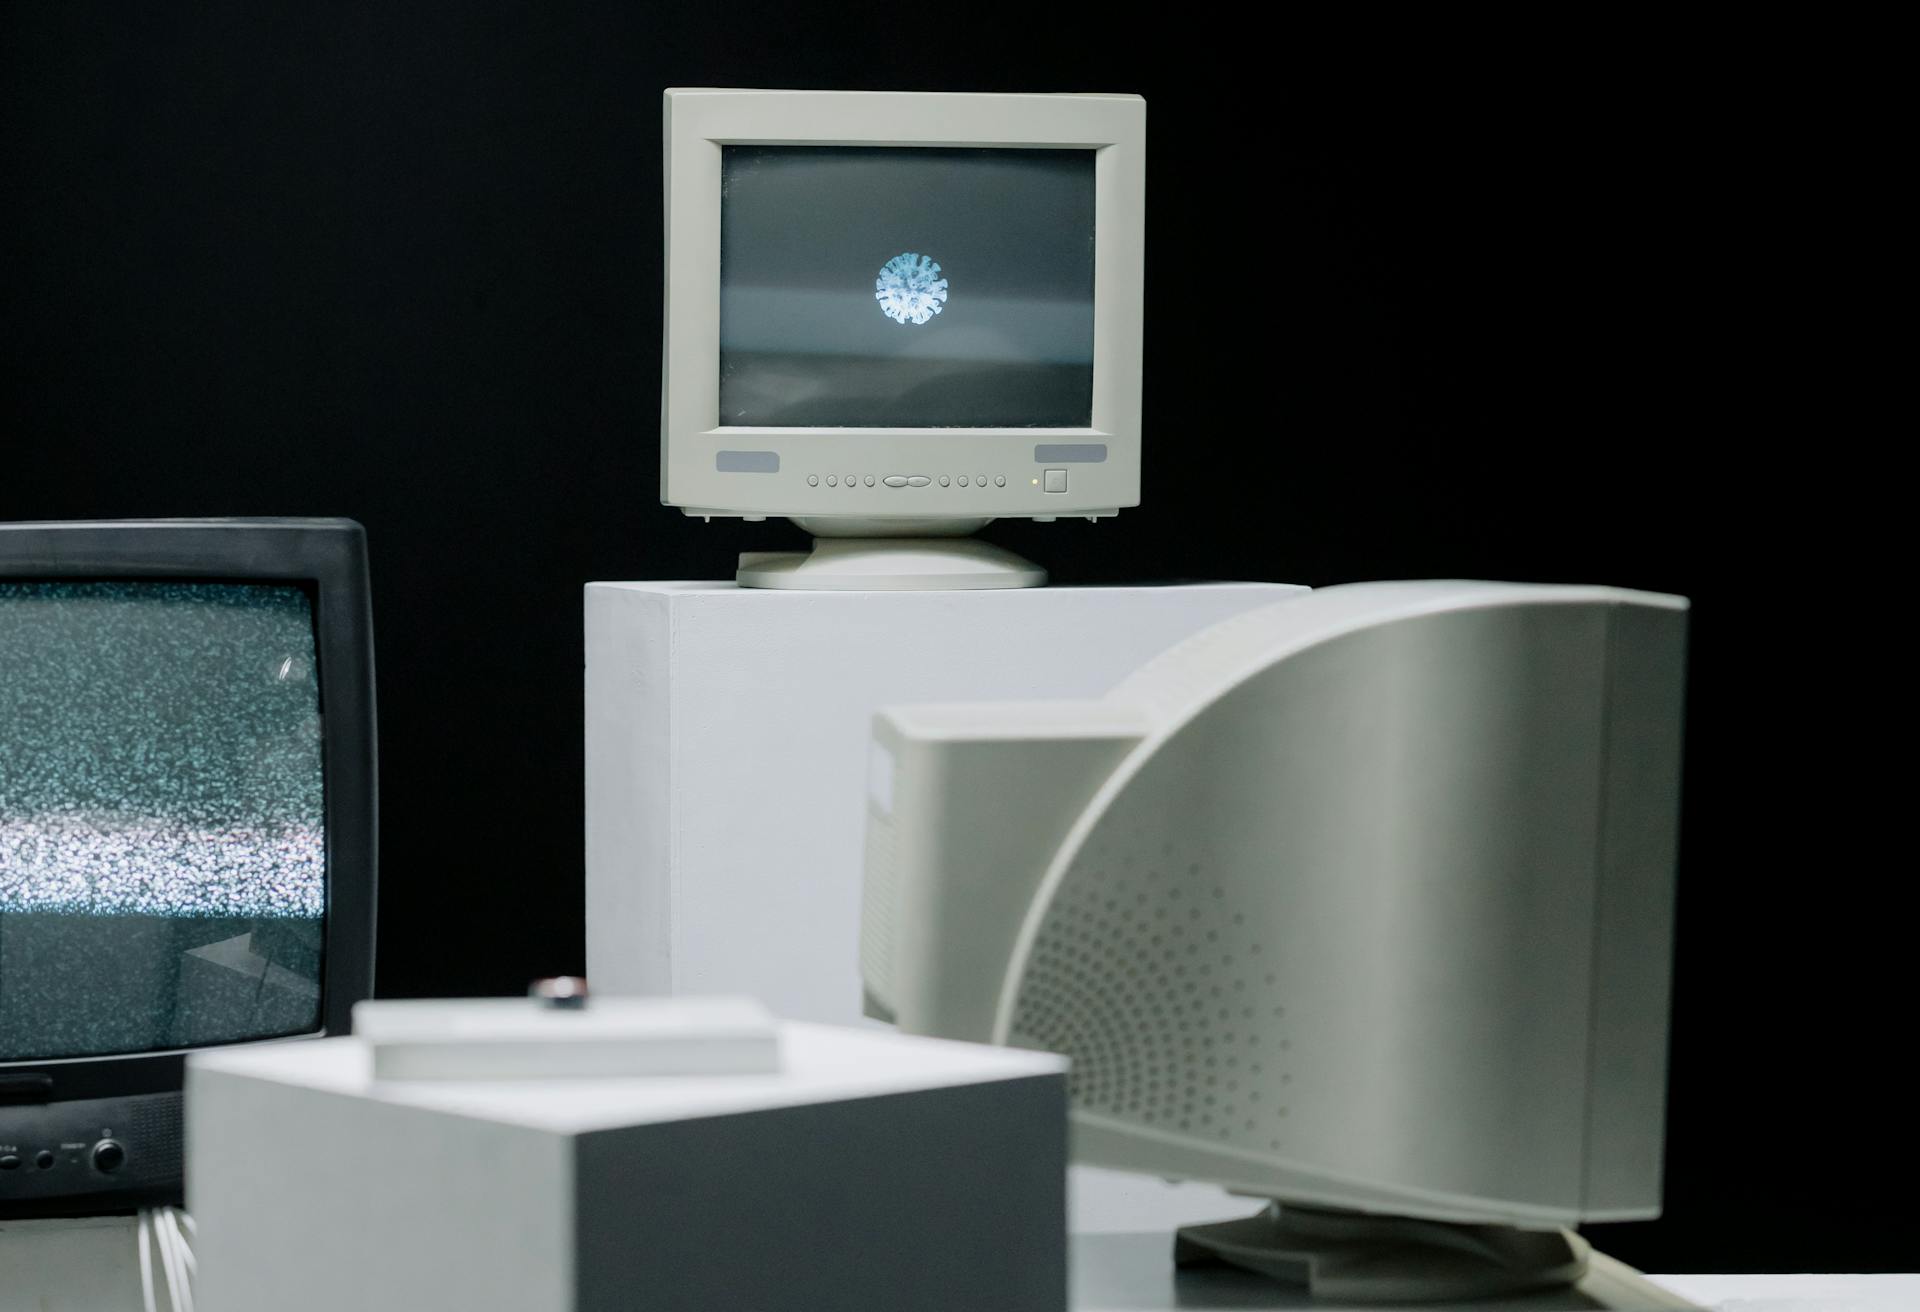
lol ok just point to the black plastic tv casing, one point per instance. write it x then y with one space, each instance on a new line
142 1090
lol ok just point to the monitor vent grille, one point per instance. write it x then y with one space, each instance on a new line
877 908
1160 990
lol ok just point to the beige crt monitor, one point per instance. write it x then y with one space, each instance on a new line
1361 902
894 317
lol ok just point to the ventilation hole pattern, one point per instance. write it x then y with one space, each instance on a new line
1160 990
878 891
153 1130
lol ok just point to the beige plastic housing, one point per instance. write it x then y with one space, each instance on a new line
958 474
1363 900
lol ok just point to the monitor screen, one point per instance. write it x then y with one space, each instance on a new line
162 832
906 287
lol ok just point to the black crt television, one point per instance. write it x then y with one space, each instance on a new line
187 828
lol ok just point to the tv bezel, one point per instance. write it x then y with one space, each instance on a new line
329 556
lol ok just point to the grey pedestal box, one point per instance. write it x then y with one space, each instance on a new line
874 1171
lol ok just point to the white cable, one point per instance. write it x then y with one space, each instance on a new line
183 1258
181 1248
1612 1283
146 1263
169 1264
186 1219
163 1257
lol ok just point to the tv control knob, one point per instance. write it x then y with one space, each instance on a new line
108 1157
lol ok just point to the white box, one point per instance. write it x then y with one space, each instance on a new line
872 1171
527 1039
72 1264
727 741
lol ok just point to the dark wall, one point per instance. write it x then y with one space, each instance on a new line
402 263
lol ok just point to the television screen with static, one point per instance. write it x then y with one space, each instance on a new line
163 846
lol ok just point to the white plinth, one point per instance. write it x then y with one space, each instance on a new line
870 1171
87 1264
727 744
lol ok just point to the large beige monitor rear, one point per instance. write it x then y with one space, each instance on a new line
1361 901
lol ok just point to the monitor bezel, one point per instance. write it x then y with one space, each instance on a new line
700 122
329 557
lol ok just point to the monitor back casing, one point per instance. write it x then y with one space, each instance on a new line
708 468
68 1105
1362 899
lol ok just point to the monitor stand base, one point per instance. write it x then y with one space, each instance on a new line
930 564
1353 1257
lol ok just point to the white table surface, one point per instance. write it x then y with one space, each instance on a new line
89 1266
1134 1272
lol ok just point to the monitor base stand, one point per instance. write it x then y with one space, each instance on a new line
929 564
1353 1257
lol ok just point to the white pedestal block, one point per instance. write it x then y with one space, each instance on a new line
871 1171
85 1264
727 743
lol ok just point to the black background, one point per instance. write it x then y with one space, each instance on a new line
402 262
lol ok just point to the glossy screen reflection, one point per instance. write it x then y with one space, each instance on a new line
906 287
162 832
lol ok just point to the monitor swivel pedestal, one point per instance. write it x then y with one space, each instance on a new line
1357 1258
885 554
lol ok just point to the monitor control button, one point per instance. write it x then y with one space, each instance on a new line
944 480
963 480
895 480
108 1156
1056 480
833 480
918 480
9 1163
869 480
999 480
813 480
43 1160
